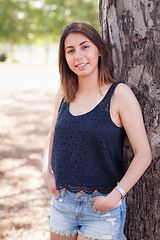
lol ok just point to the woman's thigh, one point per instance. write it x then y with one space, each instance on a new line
54 236
80 237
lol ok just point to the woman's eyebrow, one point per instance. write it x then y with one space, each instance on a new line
83 42
79 44
68 47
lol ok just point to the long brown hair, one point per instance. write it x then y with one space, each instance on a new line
69 80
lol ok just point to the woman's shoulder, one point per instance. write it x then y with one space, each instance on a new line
58 98
123 90
125 95
57 101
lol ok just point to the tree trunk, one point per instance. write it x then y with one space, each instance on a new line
131 29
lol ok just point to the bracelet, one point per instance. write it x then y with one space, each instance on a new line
122 192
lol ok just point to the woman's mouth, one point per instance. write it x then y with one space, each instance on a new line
81 65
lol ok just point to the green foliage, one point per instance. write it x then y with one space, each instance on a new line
19 21
26 21
68 11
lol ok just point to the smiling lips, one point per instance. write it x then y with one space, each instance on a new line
81 65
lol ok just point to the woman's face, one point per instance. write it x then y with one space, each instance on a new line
81 55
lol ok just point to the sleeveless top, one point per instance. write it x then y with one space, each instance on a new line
87 151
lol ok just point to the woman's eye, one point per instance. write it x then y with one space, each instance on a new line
85 46
70 51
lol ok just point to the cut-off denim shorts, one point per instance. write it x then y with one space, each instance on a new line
73 213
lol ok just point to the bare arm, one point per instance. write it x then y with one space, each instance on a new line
47 174
132 120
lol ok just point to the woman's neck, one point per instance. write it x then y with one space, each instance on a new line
88 84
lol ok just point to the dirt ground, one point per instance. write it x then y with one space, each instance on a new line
25 119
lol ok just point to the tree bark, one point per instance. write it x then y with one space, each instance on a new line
131 29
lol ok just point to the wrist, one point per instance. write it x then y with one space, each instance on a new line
115 196
121 191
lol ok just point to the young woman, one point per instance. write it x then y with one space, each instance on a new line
83 157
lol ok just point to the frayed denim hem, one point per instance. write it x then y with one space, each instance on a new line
63 233
59 231
105 237
72 234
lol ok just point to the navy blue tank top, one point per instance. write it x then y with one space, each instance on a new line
87 152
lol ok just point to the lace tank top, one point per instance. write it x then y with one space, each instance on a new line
87 151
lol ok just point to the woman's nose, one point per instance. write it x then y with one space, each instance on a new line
78 55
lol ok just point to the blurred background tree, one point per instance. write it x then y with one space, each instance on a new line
20 21
29 21
63 12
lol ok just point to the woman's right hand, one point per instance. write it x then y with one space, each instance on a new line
50 182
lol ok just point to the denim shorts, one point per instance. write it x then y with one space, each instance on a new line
73 213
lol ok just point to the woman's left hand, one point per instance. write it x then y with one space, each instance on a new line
103 204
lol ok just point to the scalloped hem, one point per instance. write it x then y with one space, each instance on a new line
72 189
